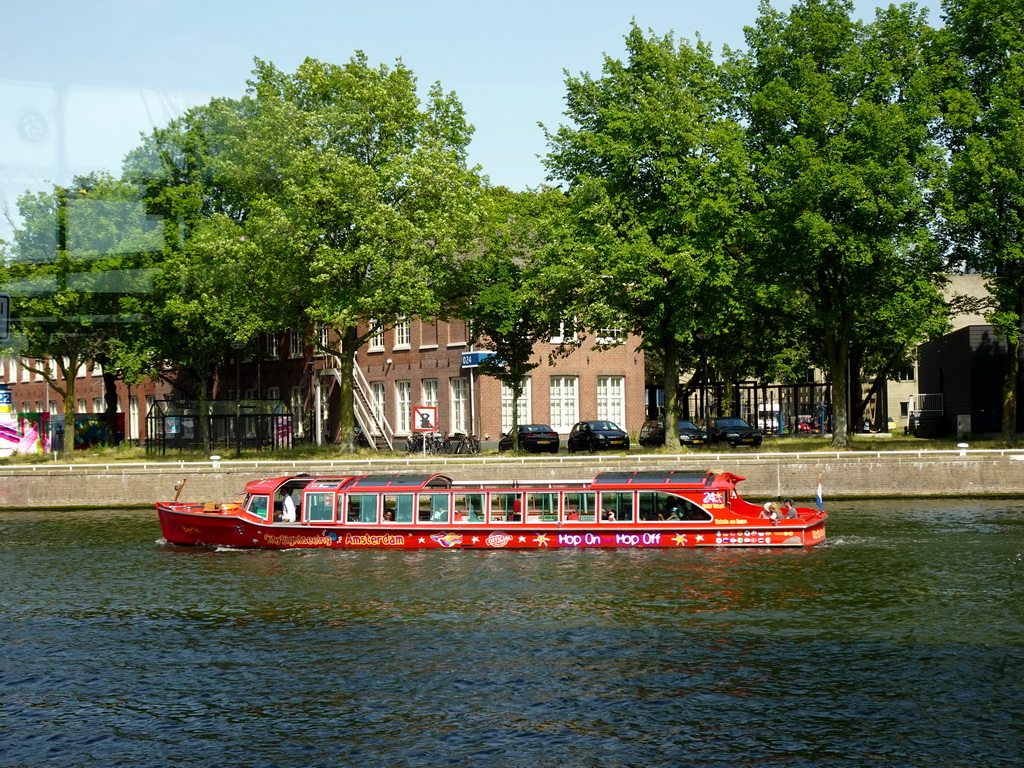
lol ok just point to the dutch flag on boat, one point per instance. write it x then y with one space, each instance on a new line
817 496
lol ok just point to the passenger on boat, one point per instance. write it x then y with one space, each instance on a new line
288 507
673 513
789 510
771 512
608 514
389 516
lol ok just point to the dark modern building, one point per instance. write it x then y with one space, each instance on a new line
960 378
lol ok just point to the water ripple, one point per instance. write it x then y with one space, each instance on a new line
899 643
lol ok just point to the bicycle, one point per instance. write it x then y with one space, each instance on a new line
462 443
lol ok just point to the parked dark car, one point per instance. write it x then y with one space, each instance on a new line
734 431
597 436
536 438
652 433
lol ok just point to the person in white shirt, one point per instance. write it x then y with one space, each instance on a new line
288 507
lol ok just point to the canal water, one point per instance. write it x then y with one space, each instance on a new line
900 642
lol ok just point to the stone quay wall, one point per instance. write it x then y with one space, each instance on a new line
844 475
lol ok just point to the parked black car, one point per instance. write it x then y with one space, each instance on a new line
597 436
733 430
536 438
652 433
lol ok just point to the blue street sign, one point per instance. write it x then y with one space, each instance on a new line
473 359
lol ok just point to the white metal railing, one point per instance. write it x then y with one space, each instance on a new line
373 424
585 459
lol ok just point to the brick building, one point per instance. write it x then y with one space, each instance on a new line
421 363
415 363
31 393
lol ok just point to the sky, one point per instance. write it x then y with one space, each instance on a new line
80 81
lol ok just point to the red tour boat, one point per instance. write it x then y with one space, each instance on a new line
616 509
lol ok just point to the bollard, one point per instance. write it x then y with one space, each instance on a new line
215 460
963 448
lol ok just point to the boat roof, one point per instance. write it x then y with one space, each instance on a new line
673 478
411 482
366 483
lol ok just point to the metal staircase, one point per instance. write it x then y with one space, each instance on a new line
375 427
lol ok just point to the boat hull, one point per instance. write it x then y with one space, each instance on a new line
187 525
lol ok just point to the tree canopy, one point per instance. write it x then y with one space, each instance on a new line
657 180
838 113
342 199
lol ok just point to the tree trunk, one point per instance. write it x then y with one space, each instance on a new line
203 416
347 421
69 413
1009 424
838 351
670 382
110 405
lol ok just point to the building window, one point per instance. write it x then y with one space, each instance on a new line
274 393
295 344
403 334
97 405
81 406
377 392
430 392
323 338
611 399
53 406
562 334
906 373
295 403
460 403
270 345
403 406
133 417
377 337
610 337
522 407
563 403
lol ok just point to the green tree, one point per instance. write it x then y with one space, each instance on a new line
509 308
77 270
200 316
355 201
657 182
981 50
838 114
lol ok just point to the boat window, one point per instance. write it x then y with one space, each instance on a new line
666 506
433 508
398 508
617 507
505 507
542 507
580 507
362 508
694 511
468 507
319 507
259 506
